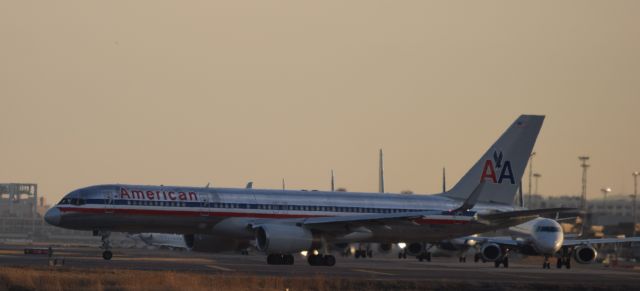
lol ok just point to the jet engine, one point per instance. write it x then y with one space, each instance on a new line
585 254
384 248
283 238
213 243
415 249
491 252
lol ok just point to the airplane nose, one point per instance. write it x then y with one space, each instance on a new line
549 245
53 216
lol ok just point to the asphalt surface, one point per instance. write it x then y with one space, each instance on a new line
378 268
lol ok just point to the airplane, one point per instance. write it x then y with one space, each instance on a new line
161 240
544 237
538 237
283 222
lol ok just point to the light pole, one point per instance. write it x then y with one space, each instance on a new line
583 194
530 177
537 177
605 191
635 198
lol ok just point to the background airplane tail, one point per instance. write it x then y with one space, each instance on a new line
503 165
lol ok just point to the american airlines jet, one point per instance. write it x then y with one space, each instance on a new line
283 222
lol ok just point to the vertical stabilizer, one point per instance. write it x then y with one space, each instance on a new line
503 164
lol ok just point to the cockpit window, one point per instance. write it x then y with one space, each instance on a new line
548 229
75 198
77 201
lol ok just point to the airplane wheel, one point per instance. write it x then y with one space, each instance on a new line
476 258
496 264
275 259
287 259
271 259
329 260
568 263
559 263
505 262
107 255
315 260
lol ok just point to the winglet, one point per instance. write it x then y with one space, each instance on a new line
471 200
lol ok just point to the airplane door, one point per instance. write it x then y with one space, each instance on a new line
108 201
205 202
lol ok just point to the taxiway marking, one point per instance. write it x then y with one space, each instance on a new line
220 268
372 272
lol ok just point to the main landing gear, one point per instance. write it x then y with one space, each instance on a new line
504 261
106 243
566 261
424 256
279 259
321 260
363 253
565 258
546 264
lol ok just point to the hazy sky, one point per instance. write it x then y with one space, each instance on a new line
190 92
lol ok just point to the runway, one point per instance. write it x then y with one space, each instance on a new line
520 272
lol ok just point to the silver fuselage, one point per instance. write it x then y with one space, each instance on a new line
228 211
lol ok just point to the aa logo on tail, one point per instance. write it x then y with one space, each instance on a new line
491 167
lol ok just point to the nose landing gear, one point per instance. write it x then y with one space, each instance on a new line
106 243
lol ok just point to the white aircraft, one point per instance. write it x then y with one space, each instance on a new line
162 240
538 237
283 222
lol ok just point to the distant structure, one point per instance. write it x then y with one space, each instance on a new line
333 182
530 177
583 195
444 179
19 200
635 199
21 212
536 176
381 175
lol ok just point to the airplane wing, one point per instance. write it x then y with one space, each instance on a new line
425 217
501 240
388 217
574 242
521 213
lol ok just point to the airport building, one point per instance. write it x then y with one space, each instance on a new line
21 213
